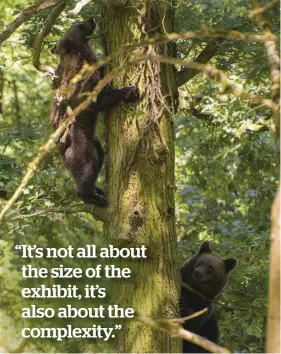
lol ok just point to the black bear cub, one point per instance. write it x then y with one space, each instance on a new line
203 278
82 151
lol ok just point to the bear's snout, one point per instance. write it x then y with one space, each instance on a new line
197 275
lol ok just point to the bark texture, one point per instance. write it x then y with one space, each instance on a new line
140 176
2 80
273 317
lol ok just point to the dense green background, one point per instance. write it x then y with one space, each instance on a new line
226 169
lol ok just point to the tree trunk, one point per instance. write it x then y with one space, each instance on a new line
16 103
273 317
140 176
1 91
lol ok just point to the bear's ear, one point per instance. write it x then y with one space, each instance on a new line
63 46
205 247
230 263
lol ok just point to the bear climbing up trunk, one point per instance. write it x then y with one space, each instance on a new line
82 151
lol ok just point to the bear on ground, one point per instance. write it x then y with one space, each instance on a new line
82 151
203 277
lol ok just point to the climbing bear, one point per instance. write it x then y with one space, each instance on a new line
81 149
203 277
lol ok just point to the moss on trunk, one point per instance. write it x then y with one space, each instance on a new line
140 176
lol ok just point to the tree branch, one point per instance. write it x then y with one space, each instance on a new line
190 317
79 6
219 75
20 347
265 8
258 14
203 32
24 16
208 52
211 33
97 212
185 75
16 103
175 330
250 127
51 19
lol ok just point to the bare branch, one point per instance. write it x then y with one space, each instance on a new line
249 126
204 32
209 52
258 14
273 317
24 16
51 19
227 87
97 212
79 7
20 347
92 96
210 33
16 103
190 317
204 57
219 75
261 10
175 330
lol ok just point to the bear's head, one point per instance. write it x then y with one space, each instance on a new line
206 272
75 38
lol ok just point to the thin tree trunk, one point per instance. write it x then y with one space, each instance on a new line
140 176
273 318
1 91
16 102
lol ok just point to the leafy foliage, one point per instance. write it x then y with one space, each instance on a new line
226 172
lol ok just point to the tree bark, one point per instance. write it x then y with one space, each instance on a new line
1 91
16 103
273 317
140 176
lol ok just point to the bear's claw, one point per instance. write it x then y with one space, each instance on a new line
132 94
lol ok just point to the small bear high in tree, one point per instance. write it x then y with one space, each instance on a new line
82 151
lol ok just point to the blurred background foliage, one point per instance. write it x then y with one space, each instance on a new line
226 168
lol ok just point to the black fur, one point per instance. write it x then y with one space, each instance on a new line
203 278
82 151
